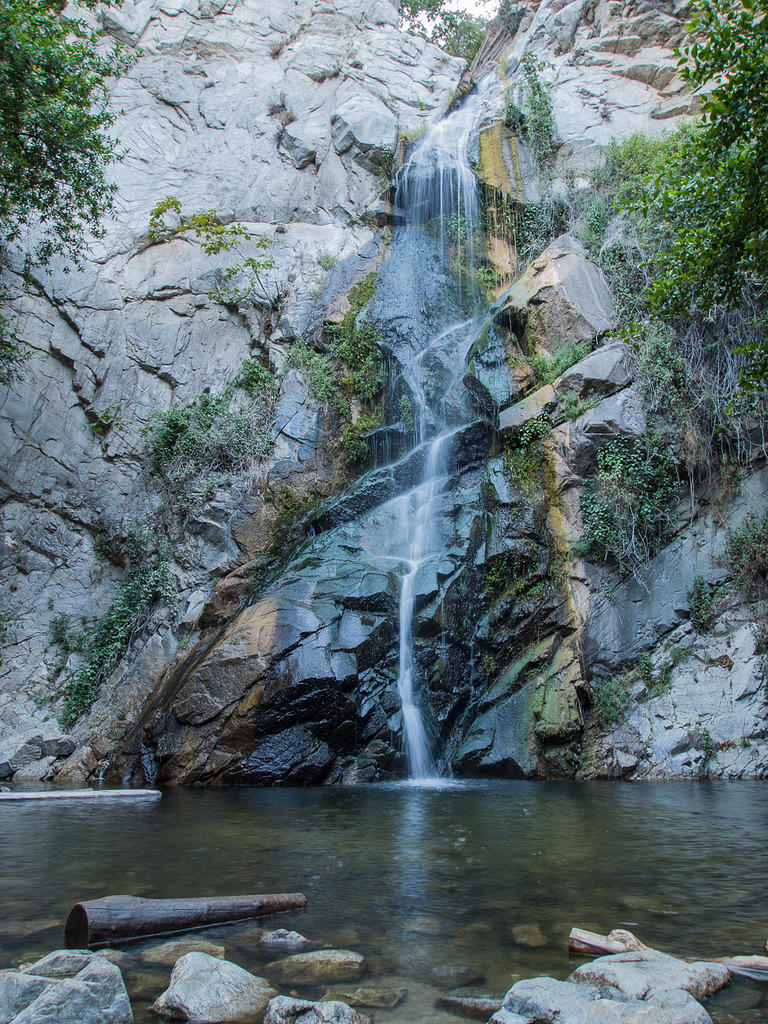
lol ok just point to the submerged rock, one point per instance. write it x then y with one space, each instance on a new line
170 952
473 1007
381 998
322 965
207 990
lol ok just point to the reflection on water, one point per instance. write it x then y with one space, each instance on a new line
489 876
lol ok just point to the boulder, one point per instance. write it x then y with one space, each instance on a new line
62 963
207 990
321 966
285 1010
646 973
562 297
602 372
94 995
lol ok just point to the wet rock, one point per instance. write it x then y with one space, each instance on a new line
285 1010
94 995
369 996
473 1007
170 952
283 938
320 966
562 297
529 935
207 990
454 976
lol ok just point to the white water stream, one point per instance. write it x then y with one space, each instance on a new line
436 192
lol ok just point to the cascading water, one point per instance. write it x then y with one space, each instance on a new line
437 205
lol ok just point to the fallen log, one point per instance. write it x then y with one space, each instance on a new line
101 922
81 794
585 943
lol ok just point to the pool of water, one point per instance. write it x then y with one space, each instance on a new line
489 876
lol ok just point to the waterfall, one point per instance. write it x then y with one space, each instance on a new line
437 208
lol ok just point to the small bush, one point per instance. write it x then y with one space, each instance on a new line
547 368
318 369
700 602
354 443
746 556
628 506
207 436
610 699
147 579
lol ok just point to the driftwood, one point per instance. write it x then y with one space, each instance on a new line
81 794
121 918
584 943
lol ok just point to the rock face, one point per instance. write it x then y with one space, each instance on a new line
278 664
68 987
561 298
282 116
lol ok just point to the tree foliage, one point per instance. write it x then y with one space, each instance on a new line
54 141
458 32
715 192
54 118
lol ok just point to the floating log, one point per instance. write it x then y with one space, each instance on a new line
122 918
81 794
584 943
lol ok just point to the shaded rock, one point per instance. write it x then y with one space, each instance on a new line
57 746
285 1010
383 998
35 771
95 995
207 990
561 298
454 976
602 372
473 1007
321 965
170 952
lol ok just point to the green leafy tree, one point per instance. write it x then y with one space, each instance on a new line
54 141
458 32
243 282
715 193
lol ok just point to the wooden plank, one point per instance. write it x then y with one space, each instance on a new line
82 794
121 918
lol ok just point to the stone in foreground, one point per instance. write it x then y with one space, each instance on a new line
322 965
647 973
284 1010
207 990
95 995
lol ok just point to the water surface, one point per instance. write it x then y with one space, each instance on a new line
489 876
